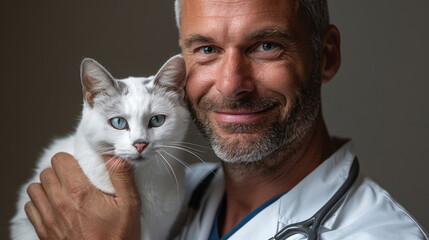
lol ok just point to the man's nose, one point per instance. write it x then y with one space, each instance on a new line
235 79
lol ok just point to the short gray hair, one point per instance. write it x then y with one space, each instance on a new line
316 11
317 14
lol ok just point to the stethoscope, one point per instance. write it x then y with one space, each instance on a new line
308 228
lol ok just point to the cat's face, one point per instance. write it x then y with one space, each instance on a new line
134 118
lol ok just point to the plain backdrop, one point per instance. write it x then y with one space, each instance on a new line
378 98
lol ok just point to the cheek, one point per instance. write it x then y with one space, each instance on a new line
283 79
279 77
120 138
200 79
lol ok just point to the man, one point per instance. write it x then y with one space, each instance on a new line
254 73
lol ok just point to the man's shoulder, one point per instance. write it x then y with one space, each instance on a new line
372 212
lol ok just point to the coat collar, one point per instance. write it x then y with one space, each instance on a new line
300 203
311 194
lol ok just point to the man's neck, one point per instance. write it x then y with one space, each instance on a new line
249 185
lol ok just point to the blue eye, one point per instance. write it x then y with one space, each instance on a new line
207 50
157 121
119 123
267 46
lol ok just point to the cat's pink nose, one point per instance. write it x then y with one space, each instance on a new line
140 146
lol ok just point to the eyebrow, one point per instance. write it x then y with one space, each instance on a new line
277 33
197 38
262 34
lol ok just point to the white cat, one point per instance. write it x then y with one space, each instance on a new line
136 119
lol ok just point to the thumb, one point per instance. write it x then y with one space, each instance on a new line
122 177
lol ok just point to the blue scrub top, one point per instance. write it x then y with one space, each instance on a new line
214 235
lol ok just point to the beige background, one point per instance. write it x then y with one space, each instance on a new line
379 97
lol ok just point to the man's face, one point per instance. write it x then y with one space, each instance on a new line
251 82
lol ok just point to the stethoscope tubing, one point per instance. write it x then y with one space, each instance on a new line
310 227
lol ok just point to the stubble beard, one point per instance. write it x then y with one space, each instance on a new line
263 145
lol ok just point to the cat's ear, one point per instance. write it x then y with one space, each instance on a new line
95 80
172 74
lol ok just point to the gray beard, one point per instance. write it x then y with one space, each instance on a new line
279 137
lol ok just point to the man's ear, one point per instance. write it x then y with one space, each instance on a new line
330 53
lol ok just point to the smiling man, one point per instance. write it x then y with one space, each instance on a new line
254 87
254 75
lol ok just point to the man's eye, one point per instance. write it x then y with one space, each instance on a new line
207 50
266 46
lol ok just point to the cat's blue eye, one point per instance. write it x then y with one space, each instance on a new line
157 121
119 123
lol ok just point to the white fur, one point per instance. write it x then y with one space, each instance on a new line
161 189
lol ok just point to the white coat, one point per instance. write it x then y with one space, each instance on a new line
368 211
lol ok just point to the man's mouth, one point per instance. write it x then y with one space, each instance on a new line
239 116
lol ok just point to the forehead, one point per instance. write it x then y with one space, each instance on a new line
232 16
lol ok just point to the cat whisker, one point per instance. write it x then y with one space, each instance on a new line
88 180
159 165
174 174
187 147
186 150
111 159
198 152
119 161
165 165
192 144
106 151
115 165
113 168
176 158
76 163
103 148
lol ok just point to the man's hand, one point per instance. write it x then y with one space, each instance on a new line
65 205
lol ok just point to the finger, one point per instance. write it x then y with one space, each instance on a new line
122 177
68 171
50 183
39 199
35 219
39 208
